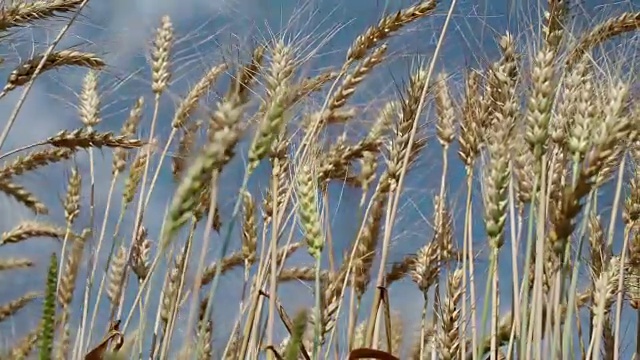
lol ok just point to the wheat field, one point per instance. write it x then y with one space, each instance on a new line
257 212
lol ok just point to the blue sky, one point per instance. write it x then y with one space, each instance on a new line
207 30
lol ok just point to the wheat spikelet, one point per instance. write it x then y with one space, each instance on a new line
614 128
580 108
204 333
554 22
558 172
634 254
200 89
84 138
308 209
563 216
424 267
48 316
249 229
566 108
611 163
23 196
470 124
247 75
308 86
203 206
523 166
72 199
12 307
604 292
631 212
185 147
21 13
23 72
171 288
89 107
598 249
67 280
502 82
279 171
237 259
15 263
234 347
602 32
496 181
35 160
367 245
399 146
160 57
66 287
23 347
130 126
277 87
540 103
443 231
30 229
387 26
444 109
116 276
335 162
328 307
129 129
368 168
352 80
140 249
300 273
135 177
376 135
398 270
450 337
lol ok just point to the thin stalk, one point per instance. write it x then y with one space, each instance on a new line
392 210
441 204
155 344
116 242
423 324
164 153
540 256
493 263
140 208
361 216
495 306
524 290
181 285
468 254
274 254
205 245
318 324
353 316
567 335
516 293
515 232
612 227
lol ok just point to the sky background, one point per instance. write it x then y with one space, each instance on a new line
208 31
